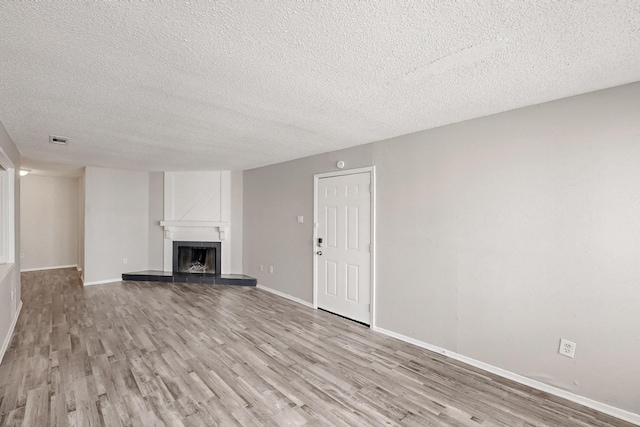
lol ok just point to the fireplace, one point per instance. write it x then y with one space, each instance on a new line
196 258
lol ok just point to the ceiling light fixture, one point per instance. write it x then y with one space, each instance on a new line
24 172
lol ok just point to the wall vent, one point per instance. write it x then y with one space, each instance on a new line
60 140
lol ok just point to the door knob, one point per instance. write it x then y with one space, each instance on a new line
319 252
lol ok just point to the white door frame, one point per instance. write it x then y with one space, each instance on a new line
316 178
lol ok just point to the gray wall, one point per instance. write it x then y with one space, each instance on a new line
116 223
156 214
10 275
495 237
274 196
49 219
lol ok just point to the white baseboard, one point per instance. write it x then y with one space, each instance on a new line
287 296
101 282
49 268
593 404
590 403
7 339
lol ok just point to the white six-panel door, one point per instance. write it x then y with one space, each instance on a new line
343 260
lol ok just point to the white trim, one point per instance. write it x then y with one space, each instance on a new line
56 267
344 172
593 404
7 209
101 282
372 179
287 296
7 339
373 248
202 224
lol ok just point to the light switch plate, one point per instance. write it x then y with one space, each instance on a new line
300 219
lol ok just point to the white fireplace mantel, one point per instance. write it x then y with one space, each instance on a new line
170 226
194 224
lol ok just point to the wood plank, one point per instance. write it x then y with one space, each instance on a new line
171 354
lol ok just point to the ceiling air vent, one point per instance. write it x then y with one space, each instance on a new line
60 140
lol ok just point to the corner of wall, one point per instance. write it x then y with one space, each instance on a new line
237 218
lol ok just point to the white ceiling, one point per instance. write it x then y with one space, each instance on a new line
239 84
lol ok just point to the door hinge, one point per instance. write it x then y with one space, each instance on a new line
370 247
369 308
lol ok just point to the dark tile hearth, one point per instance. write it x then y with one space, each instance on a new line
201 278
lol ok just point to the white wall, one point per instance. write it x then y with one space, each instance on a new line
10 273
156 214
50 212
116 223
495 237
236 222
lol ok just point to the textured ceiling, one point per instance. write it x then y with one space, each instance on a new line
240 84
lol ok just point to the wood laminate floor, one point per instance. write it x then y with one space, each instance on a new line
145 354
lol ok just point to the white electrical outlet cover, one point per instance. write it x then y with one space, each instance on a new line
567 348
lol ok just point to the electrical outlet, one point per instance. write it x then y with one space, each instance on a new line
567 348
13 294
21 255
300 219
261 267
124 260
271 269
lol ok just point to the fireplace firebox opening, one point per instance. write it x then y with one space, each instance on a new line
196 257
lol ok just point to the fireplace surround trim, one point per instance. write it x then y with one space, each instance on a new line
195 244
